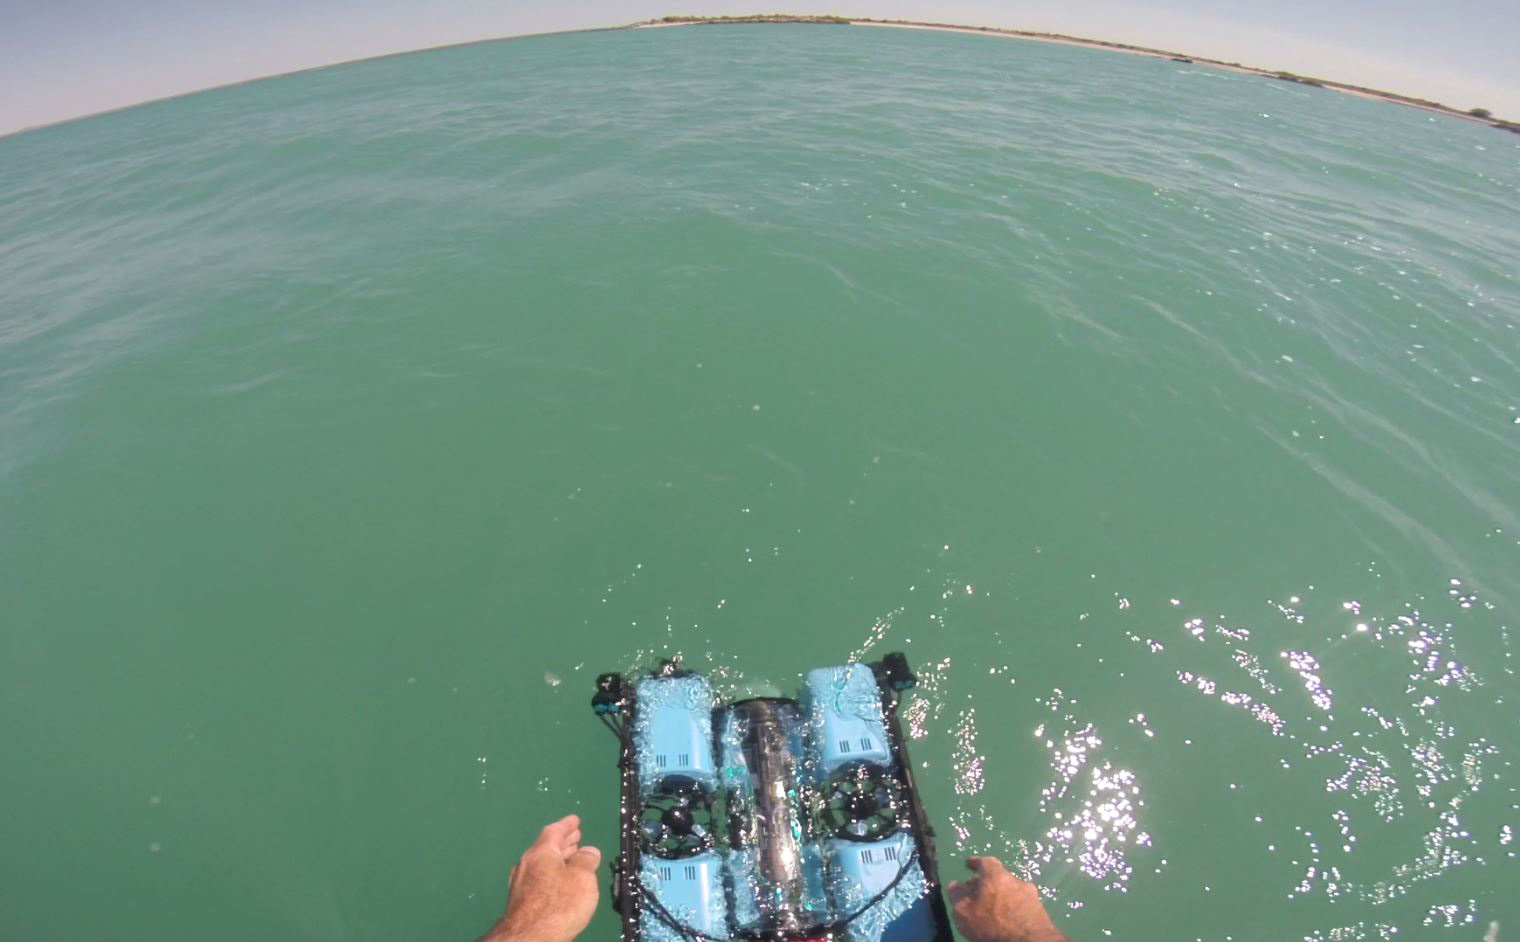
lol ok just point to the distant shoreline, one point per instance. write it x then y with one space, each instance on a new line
1431 106
1477 115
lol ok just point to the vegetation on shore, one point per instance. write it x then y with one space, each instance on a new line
1473 114
754 18
1290 77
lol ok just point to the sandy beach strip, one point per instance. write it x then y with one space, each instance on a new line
1015 34
1104 46
1177 56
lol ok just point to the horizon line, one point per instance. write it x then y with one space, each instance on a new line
311 68
1393 98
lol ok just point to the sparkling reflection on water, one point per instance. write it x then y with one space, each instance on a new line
1390 760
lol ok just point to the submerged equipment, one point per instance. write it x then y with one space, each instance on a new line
771 818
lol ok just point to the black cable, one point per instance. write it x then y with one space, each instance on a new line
697 935
617 728
663 914
901 872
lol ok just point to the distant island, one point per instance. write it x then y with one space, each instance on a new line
1480 115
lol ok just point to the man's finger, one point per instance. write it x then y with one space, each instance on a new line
957 890
585 859
985 866
553 835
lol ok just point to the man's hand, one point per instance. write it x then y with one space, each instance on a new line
552 891
996 906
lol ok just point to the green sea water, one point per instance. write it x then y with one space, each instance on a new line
351 422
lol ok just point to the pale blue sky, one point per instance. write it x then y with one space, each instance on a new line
65 59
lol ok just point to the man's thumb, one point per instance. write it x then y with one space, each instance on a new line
586 859
985 866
